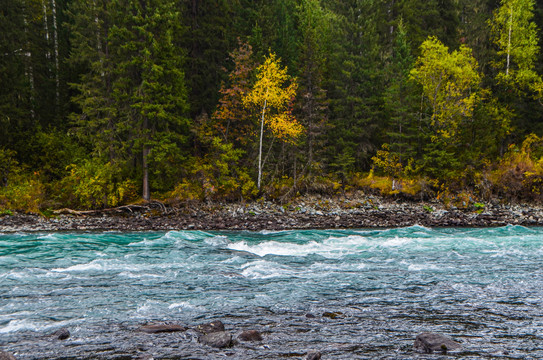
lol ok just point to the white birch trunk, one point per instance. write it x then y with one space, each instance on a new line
55 39
260 146
29 71
46 28
509 42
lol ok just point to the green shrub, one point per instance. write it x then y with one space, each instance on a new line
519 176
95 184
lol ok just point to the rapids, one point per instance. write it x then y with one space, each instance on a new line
481 287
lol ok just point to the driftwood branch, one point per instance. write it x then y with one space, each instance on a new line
153 205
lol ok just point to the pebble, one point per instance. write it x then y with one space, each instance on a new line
338 213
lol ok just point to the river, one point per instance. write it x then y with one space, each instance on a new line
350 294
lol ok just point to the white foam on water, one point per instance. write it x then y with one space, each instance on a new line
262 269
150 308
35 325
51 236
217 241
333 247
11 315
277 248
397 242
19 325
100 265
190 235
272 232
185 305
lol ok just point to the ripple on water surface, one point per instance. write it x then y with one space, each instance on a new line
483 287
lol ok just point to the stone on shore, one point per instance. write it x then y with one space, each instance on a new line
250 335
6 356
161 328
431 342
221 339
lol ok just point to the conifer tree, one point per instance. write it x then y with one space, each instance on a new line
354 84
399 100
150 85
133 98
316 31
210 35
15 106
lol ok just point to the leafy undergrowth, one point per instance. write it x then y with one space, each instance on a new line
516 178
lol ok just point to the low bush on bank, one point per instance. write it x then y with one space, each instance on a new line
90 184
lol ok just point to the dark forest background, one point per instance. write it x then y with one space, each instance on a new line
105 102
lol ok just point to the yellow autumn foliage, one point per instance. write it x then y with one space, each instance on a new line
272 94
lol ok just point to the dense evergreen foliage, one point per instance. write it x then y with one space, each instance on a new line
106 102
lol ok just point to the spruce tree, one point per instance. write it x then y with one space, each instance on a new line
354 85
150 85
315 23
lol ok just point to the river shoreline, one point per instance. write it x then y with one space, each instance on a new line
306 213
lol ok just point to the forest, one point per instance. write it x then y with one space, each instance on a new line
111 102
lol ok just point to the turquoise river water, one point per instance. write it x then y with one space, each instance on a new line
380 288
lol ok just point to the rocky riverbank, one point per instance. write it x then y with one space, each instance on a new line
313 212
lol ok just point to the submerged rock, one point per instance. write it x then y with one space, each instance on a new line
6 356
313 355
250 335
332 315
161 328
212 327
431 342
61 334
219 339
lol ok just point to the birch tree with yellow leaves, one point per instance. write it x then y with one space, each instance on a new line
273 94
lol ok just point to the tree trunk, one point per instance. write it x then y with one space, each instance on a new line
260 146
46 28
509 42
146 191
55 39
29 70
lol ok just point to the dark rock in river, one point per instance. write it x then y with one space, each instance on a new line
332 315
219 339
6 356
431 342
161 328
250 335
214 326
61 334
313 355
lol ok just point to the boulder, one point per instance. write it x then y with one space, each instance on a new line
214 326
219 339
250 335
61 334
313 355
6 356
161 328
431 342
